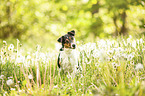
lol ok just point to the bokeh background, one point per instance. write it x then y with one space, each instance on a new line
44 21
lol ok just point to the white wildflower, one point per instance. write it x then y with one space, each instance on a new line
95 53
90 92
1 76
28 57
89 46
13 89
16 85
115 65
10 82
20 91
30 76
55 86
110 52
18 41
141 41
38 47
102 54
42 56
129 39
11 47
119 49
139 66
20 59
5 93
71 84
138 41
10 77
130 56
28 53
4 42
134 43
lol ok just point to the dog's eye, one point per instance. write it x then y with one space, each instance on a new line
66 41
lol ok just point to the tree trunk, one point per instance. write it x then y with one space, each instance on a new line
123 30
115 23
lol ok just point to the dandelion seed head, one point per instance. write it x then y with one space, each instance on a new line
139 66
16 85
1 76
82 84
20 59
90 92
4 42
55 86
28 57
38 47
10 82
42 56
102 54
11 47
130 56
12 89
5 93
30 76
20 91
141 41
10 77
134 43
18 41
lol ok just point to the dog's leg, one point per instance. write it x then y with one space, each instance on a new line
59 61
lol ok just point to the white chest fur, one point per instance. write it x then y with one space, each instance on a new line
69 60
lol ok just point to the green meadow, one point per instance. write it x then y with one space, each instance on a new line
110 47
110 67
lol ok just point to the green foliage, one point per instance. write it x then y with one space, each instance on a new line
30 19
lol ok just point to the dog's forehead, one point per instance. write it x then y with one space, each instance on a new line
67 36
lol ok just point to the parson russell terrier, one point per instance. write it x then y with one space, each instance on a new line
68 58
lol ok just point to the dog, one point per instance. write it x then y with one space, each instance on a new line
68 58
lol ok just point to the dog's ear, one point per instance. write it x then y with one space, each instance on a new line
60 39
72 33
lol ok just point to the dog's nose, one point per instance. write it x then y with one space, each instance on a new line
73 46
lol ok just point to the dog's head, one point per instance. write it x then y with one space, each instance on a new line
68 40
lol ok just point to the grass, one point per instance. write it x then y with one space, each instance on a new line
110 67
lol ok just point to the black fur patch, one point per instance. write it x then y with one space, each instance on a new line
59 61
72 33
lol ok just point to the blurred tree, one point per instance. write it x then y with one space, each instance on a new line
119 8
9 26
51 18
97 24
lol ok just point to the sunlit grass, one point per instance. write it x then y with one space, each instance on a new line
109 67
